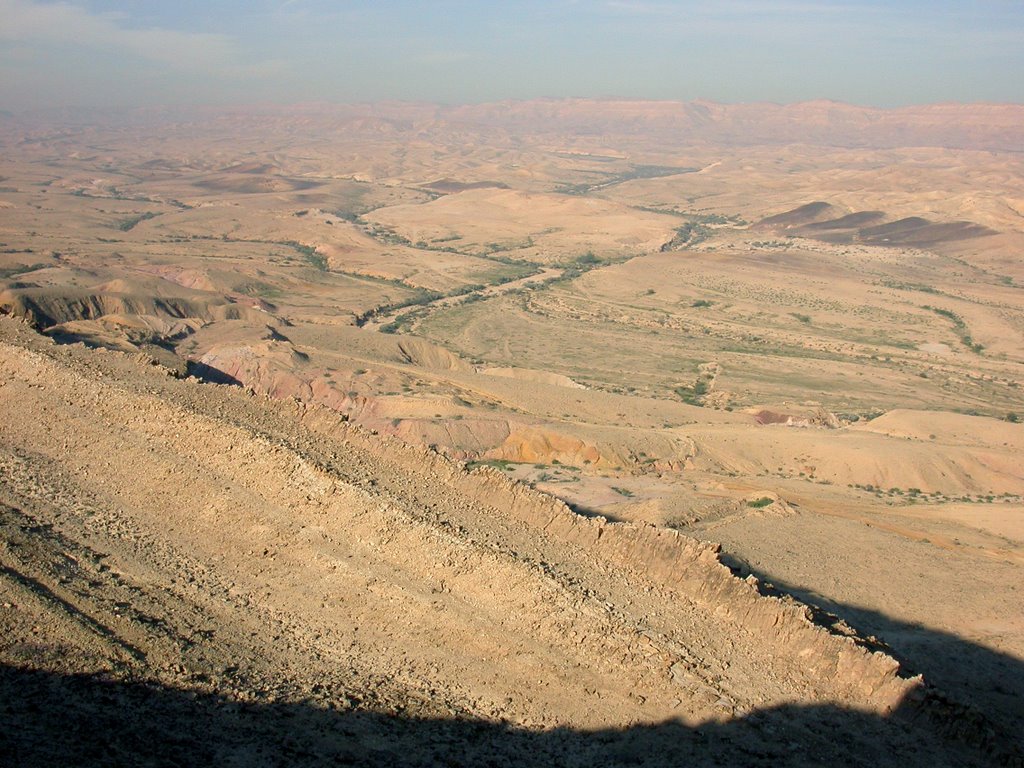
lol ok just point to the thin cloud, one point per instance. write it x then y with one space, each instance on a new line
26 22
640 8
443 57
726 8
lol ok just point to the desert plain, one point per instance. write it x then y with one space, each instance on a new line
548 432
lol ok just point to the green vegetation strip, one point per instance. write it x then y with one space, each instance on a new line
959 326
20 269
130 223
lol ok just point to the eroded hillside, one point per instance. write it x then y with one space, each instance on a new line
191 538
791 333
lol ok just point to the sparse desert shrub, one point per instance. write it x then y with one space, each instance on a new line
959 326
761 503
130 223
503 464
679 523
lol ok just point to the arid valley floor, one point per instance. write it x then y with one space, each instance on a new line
546 433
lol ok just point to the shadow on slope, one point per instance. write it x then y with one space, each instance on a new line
985 688
52 719
210 374
868 227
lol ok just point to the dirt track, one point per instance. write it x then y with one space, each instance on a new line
179 557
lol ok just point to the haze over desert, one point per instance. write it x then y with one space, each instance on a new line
553 430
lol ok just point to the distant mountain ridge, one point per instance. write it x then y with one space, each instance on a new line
980 126
967 126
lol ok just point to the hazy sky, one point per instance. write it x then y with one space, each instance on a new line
134 52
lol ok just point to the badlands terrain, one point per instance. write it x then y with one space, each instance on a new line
555 432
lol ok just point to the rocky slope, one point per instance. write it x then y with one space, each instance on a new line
188 572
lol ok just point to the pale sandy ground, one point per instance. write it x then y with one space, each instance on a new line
634 386
207 556
523 224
